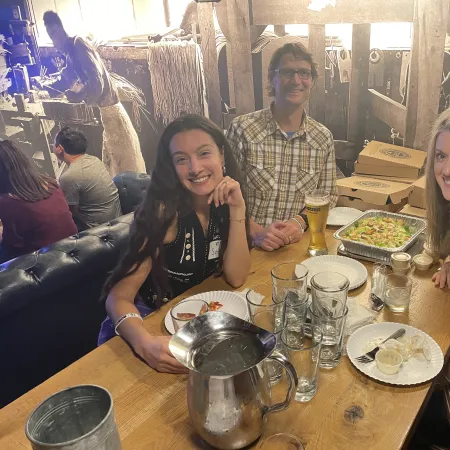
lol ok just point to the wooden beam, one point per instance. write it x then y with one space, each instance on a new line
388 111
208 45
425 71
358 95
281 12
238 21
316 45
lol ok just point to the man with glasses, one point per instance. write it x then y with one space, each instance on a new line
283 152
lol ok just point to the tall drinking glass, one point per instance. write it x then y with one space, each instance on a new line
289 280
266 314
294 317
304 354
328 284
317 203
331 322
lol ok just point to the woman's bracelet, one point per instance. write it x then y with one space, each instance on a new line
237 220
125 317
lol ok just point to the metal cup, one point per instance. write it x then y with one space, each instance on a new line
77 418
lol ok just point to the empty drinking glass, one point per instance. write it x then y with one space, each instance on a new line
266 314
397 294
289 280
186 310
304 354
294 315
330 319
328 285
282 441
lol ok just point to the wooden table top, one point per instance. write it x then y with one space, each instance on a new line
150 407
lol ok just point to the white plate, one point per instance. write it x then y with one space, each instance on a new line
340 216
414 371
350 268
232 304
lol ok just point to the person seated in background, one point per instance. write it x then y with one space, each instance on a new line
438 196
88 187
283 152
191 224
33 210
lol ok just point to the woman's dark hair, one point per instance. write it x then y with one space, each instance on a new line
164 200
20 177
73 141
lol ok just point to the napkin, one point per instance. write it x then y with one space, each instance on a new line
358 316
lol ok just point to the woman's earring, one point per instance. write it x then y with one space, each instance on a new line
224 170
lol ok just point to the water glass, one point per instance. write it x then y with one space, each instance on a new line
397 294
268 315
289 280
294 315
304 354
186 310
331 322
282 441
328 285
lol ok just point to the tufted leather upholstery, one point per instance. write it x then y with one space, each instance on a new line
131 187
50 313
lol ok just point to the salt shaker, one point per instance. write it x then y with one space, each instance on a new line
378 286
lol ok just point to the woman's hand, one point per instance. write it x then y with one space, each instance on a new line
154 350
442 277
228 192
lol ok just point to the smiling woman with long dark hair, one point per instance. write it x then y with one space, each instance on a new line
33 210
191 224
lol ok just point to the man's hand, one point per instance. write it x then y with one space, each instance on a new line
293 231
272 237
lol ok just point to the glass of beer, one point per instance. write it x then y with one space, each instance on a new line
317 203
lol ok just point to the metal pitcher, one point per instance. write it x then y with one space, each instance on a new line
229 393
77 418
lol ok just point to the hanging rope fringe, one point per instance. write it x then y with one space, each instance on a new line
137 98
177 78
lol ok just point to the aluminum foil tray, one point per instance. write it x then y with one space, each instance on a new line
417 225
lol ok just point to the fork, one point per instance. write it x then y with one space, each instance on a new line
370 356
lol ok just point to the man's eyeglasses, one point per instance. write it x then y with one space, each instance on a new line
288 74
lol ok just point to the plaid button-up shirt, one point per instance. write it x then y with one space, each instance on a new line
278 169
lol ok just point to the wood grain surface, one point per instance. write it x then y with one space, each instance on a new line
350 411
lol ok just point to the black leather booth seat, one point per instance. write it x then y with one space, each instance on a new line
50 313
131 187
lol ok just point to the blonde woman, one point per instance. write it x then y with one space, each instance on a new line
438 196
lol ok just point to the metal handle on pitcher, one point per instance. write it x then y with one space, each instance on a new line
292 383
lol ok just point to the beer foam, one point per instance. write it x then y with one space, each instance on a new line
317 203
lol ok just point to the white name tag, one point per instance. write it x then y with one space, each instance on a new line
214 249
